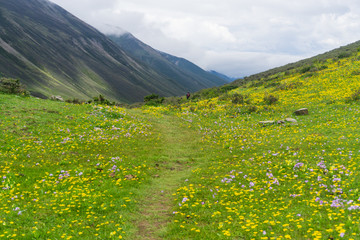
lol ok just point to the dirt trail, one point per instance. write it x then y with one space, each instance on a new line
179 153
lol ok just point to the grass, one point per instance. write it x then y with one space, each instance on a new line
176 156
200 170
69 171
87 171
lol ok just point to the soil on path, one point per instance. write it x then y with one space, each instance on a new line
179 152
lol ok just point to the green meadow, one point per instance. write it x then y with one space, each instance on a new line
200 169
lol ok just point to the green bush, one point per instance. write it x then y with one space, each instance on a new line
153 100
272 84
12 86
355 96
74 101
249 109
237 99
102 100
305 69
151 97
355 72
227 88
173 101
270 99
344 55
287 86
213 92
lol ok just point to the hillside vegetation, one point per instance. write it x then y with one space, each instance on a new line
199 169
305 64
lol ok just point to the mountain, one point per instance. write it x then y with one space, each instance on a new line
271 78
186 75
55 53
223 76
311 64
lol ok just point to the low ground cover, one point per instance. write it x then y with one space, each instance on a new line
201 169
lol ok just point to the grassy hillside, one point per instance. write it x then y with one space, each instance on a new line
278 181
309 64
202 169
69 170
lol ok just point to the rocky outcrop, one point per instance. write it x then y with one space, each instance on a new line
57 98
291 121
264 123
302 111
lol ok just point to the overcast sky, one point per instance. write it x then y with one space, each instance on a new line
234 37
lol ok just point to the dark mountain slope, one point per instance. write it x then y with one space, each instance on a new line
223 76
184 74
53 52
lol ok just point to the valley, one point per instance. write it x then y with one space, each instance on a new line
206 168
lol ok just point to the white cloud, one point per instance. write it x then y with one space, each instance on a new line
237 64
236 37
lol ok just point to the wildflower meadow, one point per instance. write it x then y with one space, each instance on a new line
214 168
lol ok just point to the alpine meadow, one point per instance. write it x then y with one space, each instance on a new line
235 162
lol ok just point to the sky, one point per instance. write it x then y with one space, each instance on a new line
234 37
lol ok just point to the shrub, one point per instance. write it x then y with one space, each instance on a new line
102 100
287 86
151 97
173 101
74 101
272 84
12 86
224 97
250 109
237 99
213 92
227 88
153 100
355 96
308 75
305 69
344 55
270 99
323 67
355 72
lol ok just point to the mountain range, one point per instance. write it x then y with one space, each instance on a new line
185 75
54 53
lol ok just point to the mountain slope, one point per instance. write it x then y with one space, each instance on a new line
53 52
338 53
223 76
184 74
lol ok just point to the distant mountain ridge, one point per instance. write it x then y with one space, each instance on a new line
55 53
184 73
223 76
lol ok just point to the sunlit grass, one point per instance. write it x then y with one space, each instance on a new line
68 171
282 181
84 171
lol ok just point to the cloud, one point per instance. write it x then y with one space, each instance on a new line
203 33
240 64
236 37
